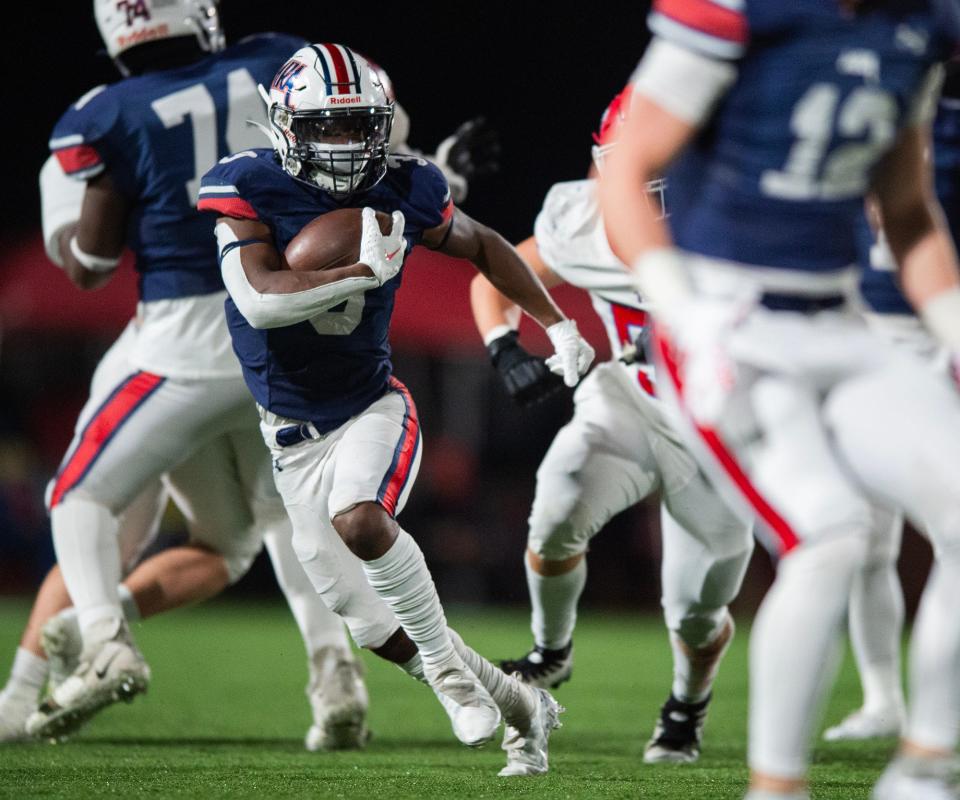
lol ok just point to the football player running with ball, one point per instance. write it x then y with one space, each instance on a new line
618 449
773 122
343 432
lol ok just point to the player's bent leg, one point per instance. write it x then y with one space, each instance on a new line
370 485
919 413
336 691
28 676
876 624
706 550
398 573
767 425
595 468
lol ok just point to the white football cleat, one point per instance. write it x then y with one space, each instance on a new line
15 708
111 670
473 714
339 700
867 724
918 779
527 753
63 645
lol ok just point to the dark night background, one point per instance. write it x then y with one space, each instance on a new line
541 73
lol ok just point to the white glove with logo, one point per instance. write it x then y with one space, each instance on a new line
383 254
572 353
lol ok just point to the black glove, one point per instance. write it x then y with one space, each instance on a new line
526 377
474 149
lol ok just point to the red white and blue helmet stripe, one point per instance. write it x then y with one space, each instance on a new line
338 67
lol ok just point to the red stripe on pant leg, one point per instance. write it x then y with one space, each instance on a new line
408 450
343 82
776 523
99 430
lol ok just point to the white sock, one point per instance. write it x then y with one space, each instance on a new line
794 649
554 604
876 621
935 659
85 539
515 700
27 676
414 668
130 608
400 576
695 669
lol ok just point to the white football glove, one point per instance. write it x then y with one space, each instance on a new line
383 254
707 369
572 353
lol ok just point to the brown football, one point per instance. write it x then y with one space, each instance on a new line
331 240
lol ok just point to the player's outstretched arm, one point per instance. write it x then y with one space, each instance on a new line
89 248
526 377
918 235
461 236
270 295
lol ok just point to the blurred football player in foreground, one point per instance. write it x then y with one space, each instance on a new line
775 122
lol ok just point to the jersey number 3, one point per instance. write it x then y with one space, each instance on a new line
814 170
196 103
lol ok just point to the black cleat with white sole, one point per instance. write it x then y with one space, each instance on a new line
541 667
676 736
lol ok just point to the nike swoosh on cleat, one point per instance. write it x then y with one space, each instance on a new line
102 673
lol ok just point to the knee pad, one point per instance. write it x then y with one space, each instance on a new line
238 552
698 626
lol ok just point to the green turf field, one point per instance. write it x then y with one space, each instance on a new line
226 714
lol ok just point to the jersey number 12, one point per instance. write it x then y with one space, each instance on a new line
814 170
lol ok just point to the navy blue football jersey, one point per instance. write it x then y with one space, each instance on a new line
878 285
778 174
157 134
333 366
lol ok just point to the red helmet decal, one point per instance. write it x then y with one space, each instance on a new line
615 113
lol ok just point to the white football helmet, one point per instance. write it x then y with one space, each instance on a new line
606 139
127 23
329 119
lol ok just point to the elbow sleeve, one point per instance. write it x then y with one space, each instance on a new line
276 310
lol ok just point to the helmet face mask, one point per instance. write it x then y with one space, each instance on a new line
125 24
606 139
330 134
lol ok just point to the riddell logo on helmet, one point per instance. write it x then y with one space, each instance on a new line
343 101
146 35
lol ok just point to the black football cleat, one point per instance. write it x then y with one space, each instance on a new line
541 667
676 736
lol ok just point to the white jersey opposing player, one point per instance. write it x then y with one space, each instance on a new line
619 448
801 414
